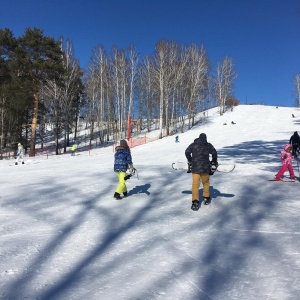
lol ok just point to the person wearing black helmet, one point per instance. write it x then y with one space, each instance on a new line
198 156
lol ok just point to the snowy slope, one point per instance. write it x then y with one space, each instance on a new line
63 236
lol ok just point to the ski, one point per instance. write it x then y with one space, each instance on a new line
285 180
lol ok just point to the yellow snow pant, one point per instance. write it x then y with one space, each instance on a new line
197 178
121 188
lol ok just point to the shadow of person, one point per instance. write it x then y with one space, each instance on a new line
140 189
214 193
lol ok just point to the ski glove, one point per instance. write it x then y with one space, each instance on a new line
189 167
131 168
214 165
127 176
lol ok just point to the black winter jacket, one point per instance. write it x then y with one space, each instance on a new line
295 139
198 153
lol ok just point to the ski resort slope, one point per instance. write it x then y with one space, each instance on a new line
64 237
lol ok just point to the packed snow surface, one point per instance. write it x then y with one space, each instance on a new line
63 236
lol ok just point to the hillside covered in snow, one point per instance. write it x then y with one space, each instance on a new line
63 236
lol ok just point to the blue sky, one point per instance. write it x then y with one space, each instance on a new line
261 36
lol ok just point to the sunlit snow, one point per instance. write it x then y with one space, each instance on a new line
63 236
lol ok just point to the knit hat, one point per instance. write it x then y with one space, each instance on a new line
123 143
19 144
202 137
287 146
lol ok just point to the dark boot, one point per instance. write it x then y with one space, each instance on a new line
195 205
117 196
206 200
125 194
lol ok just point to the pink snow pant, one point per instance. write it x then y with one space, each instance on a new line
283 169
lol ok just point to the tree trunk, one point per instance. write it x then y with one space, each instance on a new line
34 122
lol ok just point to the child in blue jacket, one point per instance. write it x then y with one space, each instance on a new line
123 161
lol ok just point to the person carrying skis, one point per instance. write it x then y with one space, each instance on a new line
20 154
197 155
295 142
286 158
122 162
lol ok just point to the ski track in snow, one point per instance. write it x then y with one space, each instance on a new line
63 236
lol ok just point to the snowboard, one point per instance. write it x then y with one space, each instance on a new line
222 167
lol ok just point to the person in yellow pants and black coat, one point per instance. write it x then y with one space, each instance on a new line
123 161
198 156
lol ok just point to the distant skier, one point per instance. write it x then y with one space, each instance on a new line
73 150
295 142
177 139
122 162
286 158
197 155
20 154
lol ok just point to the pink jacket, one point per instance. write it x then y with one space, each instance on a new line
286 156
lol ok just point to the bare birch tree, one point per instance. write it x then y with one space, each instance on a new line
164 58
71 90
297 88
62 99
117 73
223 81
92 93
98 88
197 81
133 59
148 105
160 69
52 95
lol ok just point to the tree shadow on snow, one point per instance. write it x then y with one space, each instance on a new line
231 244
255 152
